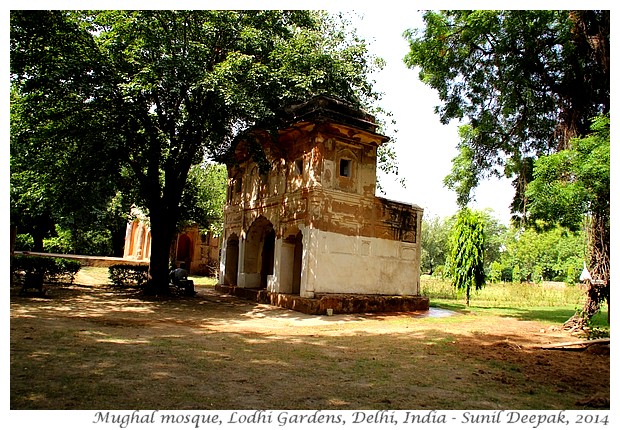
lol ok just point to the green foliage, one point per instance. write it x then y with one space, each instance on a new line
128 275
515 295
464 177
434 243
152 93
52 269
467 252
495 272
24 242
573 182
523 81
552 255
204 197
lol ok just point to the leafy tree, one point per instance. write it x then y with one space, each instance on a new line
467 252
204 196
59 183
525 83
555 254
569 185
494 238
166 89
434 243
463 177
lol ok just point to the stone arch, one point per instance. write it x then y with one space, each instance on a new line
231 265
346 170
259 249
133 238
184 250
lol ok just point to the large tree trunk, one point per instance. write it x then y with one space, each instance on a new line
162 232
118 240
598 288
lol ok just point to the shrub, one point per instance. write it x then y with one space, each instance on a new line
24 242
126 275
51 269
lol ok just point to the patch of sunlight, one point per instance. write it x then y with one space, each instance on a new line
91 332
257 341
338 403
56 308
23 314
161 374
36 397
123 341
39 354
271 362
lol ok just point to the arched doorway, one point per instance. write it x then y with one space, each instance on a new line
184 250
259 253
232 260
297 263
291 262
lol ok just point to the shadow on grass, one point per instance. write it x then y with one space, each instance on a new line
100 347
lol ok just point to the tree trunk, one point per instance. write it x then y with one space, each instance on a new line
162 233
598 288
13 236
118 241
37 240
591 307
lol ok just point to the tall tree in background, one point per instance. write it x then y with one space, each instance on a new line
467 252
525 82
167 89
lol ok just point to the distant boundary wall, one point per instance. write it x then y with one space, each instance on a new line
88 260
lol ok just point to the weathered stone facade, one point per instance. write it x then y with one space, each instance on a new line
197 251
309 224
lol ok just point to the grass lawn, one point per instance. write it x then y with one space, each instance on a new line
90 345
552 303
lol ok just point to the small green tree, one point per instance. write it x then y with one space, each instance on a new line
467 252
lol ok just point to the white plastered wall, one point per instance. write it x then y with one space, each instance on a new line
337 263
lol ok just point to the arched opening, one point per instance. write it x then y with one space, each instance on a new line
184 250
147 246
232 260
259 253
297 263
133 238
292 252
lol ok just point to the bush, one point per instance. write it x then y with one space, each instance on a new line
24 242
50 269
127 275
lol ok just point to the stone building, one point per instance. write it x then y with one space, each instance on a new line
196 250
306 230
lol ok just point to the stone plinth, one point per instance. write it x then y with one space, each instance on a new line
338 303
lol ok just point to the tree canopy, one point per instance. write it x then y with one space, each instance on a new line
525 82
160 91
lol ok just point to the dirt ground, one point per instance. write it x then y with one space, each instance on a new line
89 346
